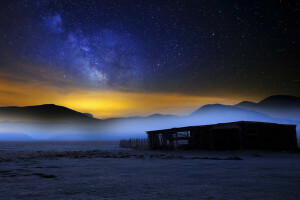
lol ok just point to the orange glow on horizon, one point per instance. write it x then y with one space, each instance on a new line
103 103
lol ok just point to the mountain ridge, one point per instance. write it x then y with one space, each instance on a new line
44 112
282 106
80 126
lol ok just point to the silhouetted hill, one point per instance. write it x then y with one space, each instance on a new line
245 104
280 106
47 112
158 115
226 113
280 100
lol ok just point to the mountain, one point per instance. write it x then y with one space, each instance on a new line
245 104
46 112
215 113
279 106
158 115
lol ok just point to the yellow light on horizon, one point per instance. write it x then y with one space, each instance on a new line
103 103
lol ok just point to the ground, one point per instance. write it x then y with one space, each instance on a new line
97 170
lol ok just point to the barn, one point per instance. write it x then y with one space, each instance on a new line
226 136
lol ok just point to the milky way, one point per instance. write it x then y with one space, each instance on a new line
194 47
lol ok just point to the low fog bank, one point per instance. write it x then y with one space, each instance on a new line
122 128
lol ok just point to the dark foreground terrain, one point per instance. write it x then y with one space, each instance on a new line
101 170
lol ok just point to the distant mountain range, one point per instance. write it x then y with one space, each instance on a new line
280 106
277 106
61 123
45 113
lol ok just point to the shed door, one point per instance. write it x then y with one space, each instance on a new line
226 139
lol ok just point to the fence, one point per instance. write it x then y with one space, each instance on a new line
134 143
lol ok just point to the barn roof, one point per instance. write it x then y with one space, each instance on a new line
218 124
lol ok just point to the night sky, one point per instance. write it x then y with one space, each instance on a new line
123 58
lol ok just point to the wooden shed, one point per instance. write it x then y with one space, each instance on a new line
226 136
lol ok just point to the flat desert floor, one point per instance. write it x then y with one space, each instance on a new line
101 170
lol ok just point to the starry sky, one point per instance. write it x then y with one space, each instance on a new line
122 58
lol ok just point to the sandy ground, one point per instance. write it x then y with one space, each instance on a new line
94 170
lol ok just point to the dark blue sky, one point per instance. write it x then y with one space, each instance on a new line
191 47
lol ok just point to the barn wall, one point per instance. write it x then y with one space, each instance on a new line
228 136
270 137
201 138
